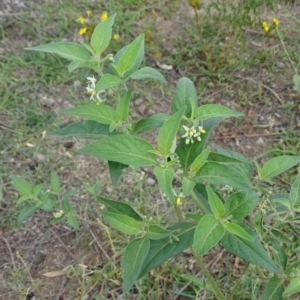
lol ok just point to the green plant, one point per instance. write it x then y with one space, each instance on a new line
231 203
39 197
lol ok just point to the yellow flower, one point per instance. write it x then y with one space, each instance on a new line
195 4
178 200
82 31
88 13
81 20
116 37
275 22
265 26
103 16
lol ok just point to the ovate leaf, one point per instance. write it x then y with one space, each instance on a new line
293 287
120 208
156 232
21 185
163 249
165 178
132 262
207 234
26 212
55 182
187 186
147 73
237 230
122 223
123 106
115 171
70 51
102 35
200 160
103 114
273 289
168 131
128 58
215 203
251 251
185 95
278 165
122 148
208 111
107 81
144 125
87 129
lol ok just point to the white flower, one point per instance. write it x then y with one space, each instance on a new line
91 90
189 134
58 214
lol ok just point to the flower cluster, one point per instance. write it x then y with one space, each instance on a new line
268 28
59 214
264 206
91 90
88 25
192 133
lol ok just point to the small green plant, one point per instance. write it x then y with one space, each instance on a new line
39 197
231 204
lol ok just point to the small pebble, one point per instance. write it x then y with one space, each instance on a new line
150 181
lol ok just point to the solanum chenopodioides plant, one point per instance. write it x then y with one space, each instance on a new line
180 154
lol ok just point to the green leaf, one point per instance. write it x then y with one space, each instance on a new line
55 182
70 51
185 95
200 160
293 287
273 289
295 191
165 178
296 81
147 72
72 222
87 129
122 148
156 232
168 131
144 125
218 173
115 171
101 36
107 81
121 222
66 205
123 106
187 186
188 153
37 189
251 251
47 202
278 165
208 111
132 262
26 212
217 157
22 199
246 165
237 230
127 60
21 185
241 204
163 249
101 113
120 208
207 234
215 203
279 255
75 64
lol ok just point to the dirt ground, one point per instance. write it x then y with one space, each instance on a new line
36 248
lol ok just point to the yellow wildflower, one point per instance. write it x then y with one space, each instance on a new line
178 200
82 31
265 26
103 16
81 20
116 37
88 13
275 22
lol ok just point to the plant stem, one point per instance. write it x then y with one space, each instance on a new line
212 282
178 212
237 285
